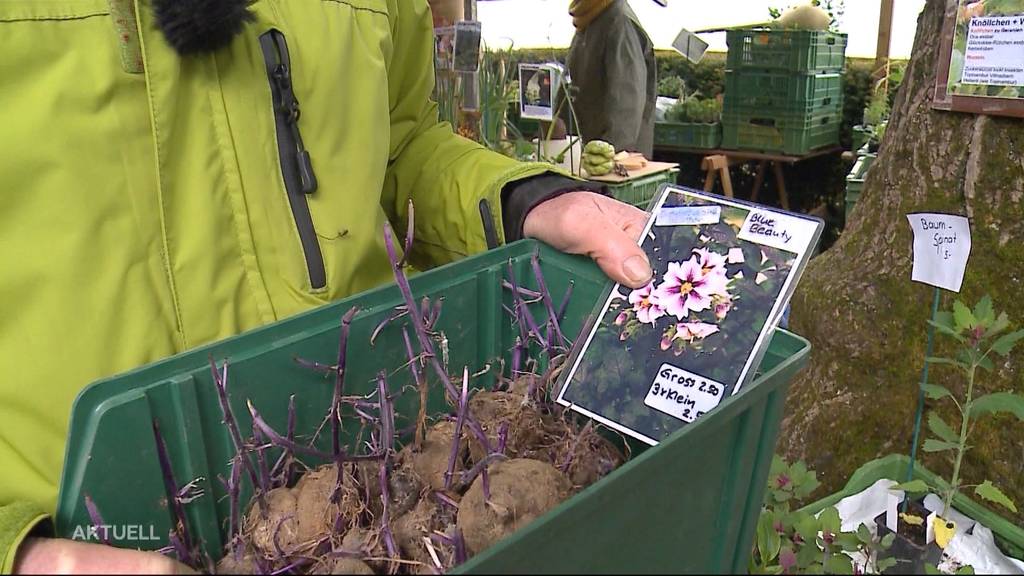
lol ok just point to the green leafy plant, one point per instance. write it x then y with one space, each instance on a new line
877 110
694 109
796 542
982 335
671 87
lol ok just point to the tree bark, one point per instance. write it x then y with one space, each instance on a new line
865 318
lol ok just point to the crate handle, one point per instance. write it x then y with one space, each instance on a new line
769 122
831 41
827 101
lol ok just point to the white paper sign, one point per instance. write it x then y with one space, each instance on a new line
942 245
778 230
683 394
995 51
892 511
690 46
689 216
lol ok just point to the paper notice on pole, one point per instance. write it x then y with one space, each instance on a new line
942 245
994 54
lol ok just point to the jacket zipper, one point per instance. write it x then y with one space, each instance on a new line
296 165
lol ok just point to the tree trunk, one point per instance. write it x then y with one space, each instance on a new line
867 320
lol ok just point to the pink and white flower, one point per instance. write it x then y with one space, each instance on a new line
645 303
686 288
722 306
711 262
690 331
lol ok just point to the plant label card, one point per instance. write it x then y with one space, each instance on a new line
444 47
690 46
942 246
467 46
659 358
538 90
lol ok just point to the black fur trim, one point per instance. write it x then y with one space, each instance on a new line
194 26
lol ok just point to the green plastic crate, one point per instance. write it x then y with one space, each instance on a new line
855 181
641 191
687 135
894 467
808 51
775 132
690 504
781 91
861 136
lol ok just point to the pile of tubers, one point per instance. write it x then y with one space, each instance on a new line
416 501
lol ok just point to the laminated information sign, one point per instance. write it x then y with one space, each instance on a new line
662 356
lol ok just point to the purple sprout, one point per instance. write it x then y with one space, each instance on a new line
285 464
282 442
339 386
460 547
567 462
421 385
179 536
220 381
546 297
463 410
523 311
565 301
387 441
417 320
97 520
398 312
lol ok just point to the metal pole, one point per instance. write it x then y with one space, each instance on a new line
885 18
921 394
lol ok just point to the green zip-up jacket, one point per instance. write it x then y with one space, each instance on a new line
143 213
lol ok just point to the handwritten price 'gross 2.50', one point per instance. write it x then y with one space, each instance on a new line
683 394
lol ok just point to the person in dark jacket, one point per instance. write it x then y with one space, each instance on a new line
612 66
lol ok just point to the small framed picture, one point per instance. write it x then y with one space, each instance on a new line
444 48
467 46
538 91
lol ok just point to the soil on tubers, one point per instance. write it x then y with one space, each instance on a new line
521 490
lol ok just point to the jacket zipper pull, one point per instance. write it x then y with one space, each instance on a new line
292 112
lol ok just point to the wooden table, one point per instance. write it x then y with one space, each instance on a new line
717 163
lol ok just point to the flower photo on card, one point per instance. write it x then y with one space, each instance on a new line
713 298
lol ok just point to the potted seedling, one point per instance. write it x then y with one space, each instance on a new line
798 542
982 335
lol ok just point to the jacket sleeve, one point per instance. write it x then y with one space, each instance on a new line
445 175
626 73
17 521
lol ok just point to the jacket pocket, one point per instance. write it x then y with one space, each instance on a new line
296 164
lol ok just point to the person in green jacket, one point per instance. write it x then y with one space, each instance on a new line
175 172
611 64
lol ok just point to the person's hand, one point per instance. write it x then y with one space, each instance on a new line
597 226
53 556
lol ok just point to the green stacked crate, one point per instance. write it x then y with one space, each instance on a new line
799 51
783 90
687 135
641 191
794 134
855 180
